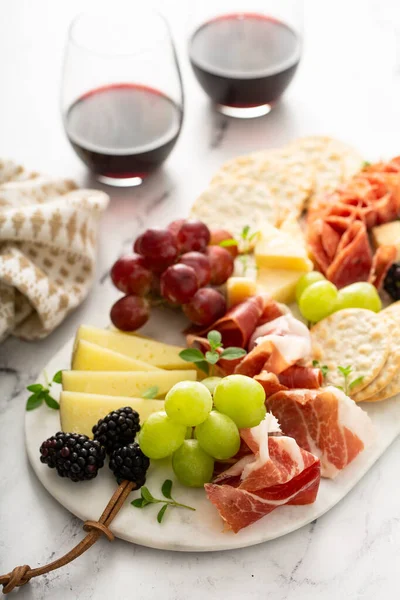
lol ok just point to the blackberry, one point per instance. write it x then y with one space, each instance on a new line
118 428
129 462
392 281
73 455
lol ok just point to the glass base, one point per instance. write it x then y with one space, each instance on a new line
248 112
120 181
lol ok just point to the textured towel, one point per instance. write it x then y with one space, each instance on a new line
48 231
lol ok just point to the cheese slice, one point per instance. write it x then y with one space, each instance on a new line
80 411
387 234
238 289
277 249
280 284
91 357
123 383
140 348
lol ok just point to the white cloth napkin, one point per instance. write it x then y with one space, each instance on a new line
48 231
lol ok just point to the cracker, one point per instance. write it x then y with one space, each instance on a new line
356 337
390 390
391 366
234 203
239 166
392 310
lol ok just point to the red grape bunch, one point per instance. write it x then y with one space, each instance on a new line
178 264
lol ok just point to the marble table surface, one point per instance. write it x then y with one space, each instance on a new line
348 85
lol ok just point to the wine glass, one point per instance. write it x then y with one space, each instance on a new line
122 97
244 53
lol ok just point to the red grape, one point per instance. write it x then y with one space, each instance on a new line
175 226
130 312
200 263
159 248
137 244
193 235
221 235
221 263
206 306
179 284
130 275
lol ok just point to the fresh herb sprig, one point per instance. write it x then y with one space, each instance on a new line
348 384
206 362
324 368
41 393
147 498
151 392
245 244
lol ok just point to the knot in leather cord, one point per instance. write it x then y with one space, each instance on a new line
17 578
91 525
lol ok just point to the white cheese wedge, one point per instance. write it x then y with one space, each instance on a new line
277 249
387 234
238 289
155 353
123 383
91 357
80 411
280 284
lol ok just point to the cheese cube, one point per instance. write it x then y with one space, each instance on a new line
123 383
238 289
387 234
79 411
277 249
91 357
280 284
140 348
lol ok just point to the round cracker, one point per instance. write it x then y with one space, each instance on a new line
234 203
356 337
392 310
391 366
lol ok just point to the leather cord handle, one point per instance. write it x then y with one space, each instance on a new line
22 575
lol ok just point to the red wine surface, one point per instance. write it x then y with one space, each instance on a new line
123 130
245 59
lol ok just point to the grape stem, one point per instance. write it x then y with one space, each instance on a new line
178 504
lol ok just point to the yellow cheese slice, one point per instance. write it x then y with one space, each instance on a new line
277 249
140 348
280 284
123 383
387 234
79 411
238 289
91 357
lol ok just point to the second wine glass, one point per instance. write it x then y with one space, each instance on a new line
122 96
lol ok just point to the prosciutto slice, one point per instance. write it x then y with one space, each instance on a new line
381 263
276 345
278 472
297 376
353 260
325 422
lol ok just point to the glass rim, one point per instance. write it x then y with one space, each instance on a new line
72 39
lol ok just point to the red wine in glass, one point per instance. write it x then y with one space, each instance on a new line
123 131
244 61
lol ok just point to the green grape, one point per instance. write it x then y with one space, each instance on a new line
211 383
359 295
318 301
188 403
218 436
189 433
192 466
160 436
305 281
242 399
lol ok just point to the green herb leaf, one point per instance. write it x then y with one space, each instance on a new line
192 355
324 370
215 339
253 235
203 366
58 377
212 357
151 392
35 387
365 164
139 502
315 363
161 513
345 371
245 232
233 353
148 496
228 243
34 401
167 488
356 382
51 402
339 387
